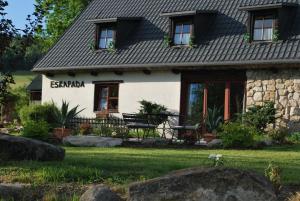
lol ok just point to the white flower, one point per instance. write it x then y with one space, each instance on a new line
218 156
215 156
212 156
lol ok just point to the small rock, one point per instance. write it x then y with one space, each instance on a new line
92 141
216 143
258 96
14 191
100 193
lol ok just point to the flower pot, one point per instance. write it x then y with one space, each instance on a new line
60 133
208 137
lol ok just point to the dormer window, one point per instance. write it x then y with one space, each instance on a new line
188 28
269 22
263 28
106 37
182 33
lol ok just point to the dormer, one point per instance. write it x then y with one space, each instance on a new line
110 33
269 22
187 28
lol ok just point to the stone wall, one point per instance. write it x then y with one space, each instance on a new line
281 87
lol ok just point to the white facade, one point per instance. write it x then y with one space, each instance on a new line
162 87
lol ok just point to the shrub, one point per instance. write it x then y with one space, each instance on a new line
85 129
278 135
214 119
294 137
43 112
103 130
237 135
272 172
153 108
22 99
36 129
64 115
260 116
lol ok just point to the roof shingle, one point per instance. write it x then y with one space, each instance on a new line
223 44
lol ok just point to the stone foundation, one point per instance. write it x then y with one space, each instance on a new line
280 86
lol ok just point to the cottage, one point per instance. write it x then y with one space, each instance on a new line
191 56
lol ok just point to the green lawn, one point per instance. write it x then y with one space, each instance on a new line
22 78
120 166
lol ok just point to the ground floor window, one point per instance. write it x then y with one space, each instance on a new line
106 98
36 96
217 99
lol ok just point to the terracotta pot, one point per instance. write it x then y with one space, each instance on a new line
60 133
208 137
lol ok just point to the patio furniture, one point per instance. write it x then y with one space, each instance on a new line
163 120
193 131
136 122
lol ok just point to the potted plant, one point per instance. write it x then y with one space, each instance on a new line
63 117
212 122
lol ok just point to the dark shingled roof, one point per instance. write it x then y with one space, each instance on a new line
223 45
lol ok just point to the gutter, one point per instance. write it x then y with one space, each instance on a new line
181 66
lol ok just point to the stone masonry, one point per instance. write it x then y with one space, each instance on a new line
280 86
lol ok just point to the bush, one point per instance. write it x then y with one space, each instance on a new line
103 130
153 108
39 113
278 135
273 173
237 135
36 129
22 99
260 116
294 137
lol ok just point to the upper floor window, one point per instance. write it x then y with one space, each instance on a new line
182 33
263 28
106 37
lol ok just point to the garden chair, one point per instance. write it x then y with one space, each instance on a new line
137 122
195 130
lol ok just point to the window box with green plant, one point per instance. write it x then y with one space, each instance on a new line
167 40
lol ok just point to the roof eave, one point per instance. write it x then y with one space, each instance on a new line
115 19
166 66
267 6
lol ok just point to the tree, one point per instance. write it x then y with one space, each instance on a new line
7 32
7 29
58 15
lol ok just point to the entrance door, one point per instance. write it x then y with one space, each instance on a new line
215 100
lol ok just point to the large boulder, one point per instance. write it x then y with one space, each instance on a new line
92 141
19 148
100 193
201 184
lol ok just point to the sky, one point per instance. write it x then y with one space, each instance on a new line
18 10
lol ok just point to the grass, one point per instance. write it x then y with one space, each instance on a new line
120 166
22 78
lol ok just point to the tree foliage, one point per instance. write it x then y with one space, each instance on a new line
7 29
58 15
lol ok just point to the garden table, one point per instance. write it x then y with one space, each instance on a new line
164 120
